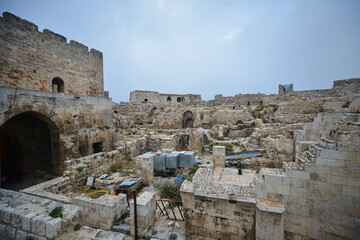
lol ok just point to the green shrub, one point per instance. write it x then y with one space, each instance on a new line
104 127
265 135
79 169
169 190
77 227
127 158
237 144
56 212
194 169
229 148
219 138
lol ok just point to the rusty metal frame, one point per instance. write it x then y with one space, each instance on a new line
169 205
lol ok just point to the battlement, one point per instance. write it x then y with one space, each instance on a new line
139 96
24 25
46 61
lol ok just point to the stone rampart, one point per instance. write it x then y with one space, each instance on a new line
37 60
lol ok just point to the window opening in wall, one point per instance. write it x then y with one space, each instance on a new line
57 85
178 99
346 83
260 102
98 147
146 100
248 103
168 99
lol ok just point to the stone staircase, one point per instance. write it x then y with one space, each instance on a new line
343 136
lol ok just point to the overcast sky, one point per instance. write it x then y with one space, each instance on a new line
208 47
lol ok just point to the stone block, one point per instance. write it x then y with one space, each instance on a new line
218 156
38 224
16 218
333 154
10 232
26 221
5 214
273 179
53 227
20 235
299 174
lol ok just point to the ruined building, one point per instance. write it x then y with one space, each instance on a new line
67 149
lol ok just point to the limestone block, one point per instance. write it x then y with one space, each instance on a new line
284 146
219 156
338 155
26 221
145 167
20 235
10 232
269 219
38 224
146 208
53 227
16 218
299 174
5 214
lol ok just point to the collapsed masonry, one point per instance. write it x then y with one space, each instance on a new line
58 122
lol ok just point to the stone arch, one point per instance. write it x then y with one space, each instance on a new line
32 143
146 100
188 119
57 85
178 99
239 122
153 111
168 99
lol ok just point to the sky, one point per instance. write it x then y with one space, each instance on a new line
208 47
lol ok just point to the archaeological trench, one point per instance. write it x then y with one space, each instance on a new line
76 165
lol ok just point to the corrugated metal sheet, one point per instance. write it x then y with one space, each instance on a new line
244 154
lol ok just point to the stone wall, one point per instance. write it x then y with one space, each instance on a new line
31 60
164 98
217 211
73 121
24 216
321 197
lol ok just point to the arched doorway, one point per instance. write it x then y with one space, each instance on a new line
29 145
188 119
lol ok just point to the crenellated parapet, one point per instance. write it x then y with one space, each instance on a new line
31 59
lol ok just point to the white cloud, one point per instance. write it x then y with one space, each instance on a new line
232 33
160 4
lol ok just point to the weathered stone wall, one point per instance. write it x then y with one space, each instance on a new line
322 200
217 211
23 216
68 117
164 98
31 60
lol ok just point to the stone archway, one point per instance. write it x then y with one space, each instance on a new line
29 143
188 119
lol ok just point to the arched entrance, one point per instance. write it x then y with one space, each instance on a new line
29 145
188 119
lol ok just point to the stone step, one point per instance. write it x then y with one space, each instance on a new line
346 126
328 144
292 165
302 160
352 117
310 156
122 228
346 136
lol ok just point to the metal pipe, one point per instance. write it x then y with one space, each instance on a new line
135 215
